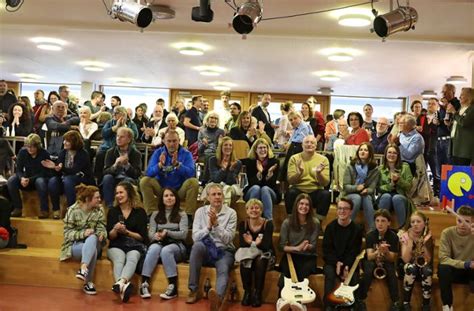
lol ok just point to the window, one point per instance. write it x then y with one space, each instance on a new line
385 107
28 89
133 96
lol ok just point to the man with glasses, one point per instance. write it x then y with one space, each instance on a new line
63 91
342 243
379 137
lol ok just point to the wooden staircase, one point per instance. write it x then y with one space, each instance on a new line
39 264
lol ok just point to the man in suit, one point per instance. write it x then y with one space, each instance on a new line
261 113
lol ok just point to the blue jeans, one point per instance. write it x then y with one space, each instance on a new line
124 264
87 252
442 153
367 205
40 184
199 256
170 254
108 189
397 202
64 184
264 194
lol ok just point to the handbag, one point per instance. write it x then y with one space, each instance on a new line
130 244
213 251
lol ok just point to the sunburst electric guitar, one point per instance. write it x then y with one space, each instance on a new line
344 294
294 290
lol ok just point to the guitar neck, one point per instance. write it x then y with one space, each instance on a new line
353 268
294 278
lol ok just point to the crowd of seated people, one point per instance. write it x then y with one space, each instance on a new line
62 164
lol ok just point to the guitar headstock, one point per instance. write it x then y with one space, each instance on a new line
361 255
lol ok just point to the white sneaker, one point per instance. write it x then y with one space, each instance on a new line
3 180
145 290
283 305
447 308
296 306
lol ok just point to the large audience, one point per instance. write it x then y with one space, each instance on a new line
89 151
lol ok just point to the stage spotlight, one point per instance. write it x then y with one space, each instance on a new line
247 17
203 12
133 12
404 18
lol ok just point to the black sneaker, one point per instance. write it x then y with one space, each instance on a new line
170 293
81 274
89 288
116 288
126 291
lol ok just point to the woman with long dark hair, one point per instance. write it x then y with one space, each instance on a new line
298 237
126 227
360 182
394 183
19 121
167 232
84 234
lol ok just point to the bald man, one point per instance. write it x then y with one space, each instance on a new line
379 137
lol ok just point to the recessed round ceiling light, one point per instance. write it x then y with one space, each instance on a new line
330 78
428 94
210 73
31 76
93 68
354 20
221 88
49 47
456 80
222 85
340 57
193 51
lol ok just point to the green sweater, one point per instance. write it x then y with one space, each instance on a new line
454 249
75 225
403 185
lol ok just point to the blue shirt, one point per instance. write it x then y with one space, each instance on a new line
168 175
301 132
411 146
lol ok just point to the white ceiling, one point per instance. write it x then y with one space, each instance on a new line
278 56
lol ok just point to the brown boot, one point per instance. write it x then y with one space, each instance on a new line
215 300
192 297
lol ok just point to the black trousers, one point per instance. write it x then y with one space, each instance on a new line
320 198
449 275
391 278
256 273
460 161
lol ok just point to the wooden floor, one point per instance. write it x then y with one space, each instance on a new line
15 298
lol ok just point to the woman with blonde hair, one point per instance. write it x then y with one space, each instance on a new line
255 231
262 172
86 126
417 253
209 135
224 168
84 234
127 232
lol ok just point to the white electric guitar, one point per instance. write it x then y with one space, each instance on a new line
294 290
344 294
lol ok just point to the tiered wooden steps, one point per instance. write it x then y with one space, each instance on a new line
39 264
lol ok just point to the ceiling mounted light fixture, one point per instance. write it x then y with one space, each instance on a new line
28 76
191 48
402 19
49 44
340 57
203 12
354 20
247 16
222 85
330 75
428 94
123 80
456 80
133 12
210 70
92 65
325 91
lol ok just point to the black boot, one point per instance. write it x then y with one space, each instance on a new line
247 299
257 299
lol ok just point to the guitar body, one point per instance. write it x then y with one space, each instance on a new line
343 295
298 291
